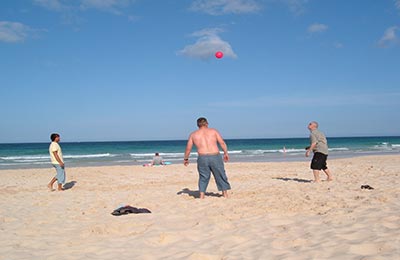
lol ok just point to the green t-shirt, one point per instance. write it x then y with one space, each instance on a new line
318 137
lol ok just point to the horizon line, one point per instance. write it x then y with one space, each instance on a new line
171 140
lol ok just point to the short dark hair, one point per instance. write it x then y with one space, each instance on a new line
202 121
54 136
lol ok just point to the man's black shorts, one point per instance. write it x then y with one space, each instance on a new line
319 161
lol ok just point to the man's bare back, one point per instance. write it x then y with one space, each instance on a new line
205 139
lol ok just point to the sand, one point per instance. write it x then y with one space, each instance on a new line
274 212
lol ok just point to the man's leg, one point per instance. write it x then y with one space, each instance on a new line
204 175
60 176
51 183
204 179
328 175
218 170
316 175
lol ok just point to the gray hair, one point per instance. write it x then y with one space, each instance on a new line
315 123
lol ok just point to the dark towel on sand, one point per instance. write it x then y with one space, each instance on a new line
366 187
128 209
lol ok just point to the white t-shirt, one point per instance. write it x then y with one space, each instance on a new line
55 147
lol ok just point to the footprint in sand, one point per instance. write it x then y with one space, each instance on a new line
163 239
366 249
166 238
392 222
202 256
354 236
391 225
280 222
283 244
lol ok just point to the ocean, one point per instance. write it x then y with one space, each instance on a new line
35 155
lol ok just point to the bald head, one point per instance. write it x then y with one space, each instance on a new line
312 125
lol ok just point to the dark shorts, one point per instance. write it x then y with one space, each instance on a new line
319 161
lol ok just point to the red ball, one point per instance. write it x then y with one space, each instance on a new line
219 54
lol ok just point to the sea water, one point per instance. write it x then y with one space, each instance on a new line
36 155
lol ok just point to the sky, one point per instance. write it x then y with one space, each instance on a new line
116 70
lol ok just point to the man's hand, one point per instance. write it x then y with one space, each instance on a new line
226 157
186 162
62 164
310 148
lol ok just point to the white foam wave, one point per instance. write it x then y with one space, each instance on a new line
26 157
339 149
235 152
292 150
141 155
22 163
89 156
383 146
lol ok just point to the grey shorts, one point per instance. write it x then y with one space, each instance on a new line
207 164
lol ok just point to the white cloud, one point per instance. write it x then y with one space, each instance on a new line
317 28
296 6
207 44
113 6
13 32
338 45
220 7
389 37
54 5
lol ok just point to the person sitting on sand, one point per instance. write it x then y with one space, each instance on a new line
157 160
319 146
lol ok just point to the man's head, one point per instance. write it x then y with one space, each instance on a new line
157 154
312 125
202 121
54 137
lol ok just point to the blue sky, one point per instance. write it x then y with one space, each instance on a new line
145 69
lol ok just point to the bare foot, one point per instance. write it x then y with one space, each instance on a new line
225 194
202 195
329 179
50 187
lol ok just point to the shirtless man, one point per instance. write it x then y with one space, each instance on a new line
209 159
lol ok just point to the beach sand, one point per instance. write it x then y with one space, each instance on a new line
274 212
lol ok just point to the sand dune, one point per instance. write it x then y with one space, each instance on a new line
274 212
